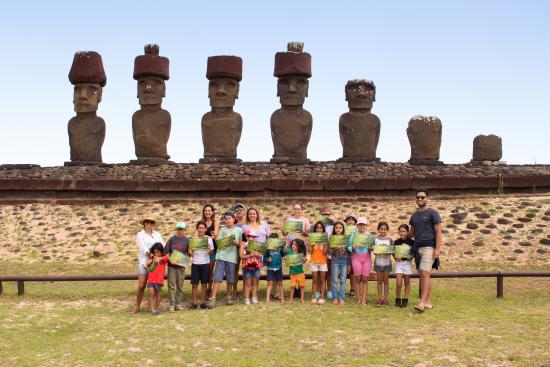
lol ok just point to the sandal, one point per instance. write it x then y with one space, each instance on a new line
428 307
419 308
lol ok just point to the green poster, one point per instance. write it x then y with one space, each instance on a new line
403 252
259 247
350 229
363 240
338 241
292 226
294 259
317 238
198 243
383 249
151 268
179 258
275 244
225 242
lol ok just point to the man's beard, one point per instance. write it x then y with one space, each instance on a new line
422 204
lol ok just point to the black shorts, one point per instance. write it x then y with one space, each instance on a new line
275 275
200 273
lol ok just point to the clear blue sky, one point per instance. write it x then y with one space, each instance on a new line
480 66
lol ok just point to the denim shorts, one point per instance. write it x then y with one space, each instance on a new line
381 268
154 285
249 274
274 275
224 268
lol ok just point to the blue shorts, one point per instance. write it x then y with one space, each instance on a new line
154 285
224 268
249 274
275 275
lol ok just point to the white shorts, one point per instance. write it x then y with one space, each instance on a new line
319 267
403 267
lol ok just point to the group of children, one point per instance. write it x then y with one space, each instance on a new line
354 259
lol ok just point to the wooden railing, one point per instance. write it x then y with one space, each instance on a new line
499 275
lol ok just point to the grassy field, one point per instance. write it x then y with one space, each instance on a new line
90 324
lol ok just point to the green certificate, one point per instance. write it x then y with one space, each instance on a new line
292 226
350 229
179 258
198 243
225 242
317 238
383 249
403 251
275 244
363 240
259 247
338 241
294 259
151 268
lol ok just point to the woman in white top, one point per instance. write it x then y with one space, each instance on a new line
144 240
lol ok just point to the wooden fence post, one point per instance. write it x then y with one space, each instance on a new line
500 286
20 287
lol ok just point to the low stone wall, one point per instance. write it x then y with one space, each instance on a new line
262 176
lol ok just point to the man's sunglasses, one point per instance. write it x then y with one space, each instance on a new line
420 197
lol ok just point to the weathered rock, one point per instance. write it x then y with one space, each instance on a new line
86 130
424 135
472 226
291 125
545 241
503 221
518 225
541 251
478 243
491 226
525 243
487 148
519 251
222 127
524 220
359 128
482 215
485 231
151 125
460 216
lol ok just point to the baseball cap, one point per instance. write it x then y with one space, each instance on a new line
181 225
230 213
239 205
361 220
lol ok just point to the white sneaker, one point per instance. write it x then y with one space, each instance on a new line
247 301
255 300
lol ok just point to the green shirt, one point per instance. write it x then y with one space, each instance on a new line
229 254
295 269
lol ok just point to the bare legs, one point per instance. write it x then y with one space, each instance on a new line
142 282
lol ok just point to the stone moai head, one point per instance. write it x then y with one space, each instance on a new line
360 93
424 133
487 148
224 73
151 70
88 77
293 68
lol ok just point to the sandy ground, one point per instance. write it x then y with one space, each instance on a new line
504 231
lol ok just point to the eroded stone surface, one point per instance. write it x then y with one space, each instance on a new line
424 133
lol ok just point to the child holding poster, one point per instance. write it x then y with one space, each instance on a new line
274 260
338 250
200 248
361 242
382 262
156 266
403 265
318 246
177 249
296 256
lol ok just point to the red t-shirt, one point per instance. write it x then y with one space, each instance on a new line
157 275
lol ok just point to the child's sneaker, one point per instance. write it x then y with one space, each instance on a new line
317 295
211 303
204 305
255 300
385 302
155 312
379 302
314 301
192 306
352 292
404 302
229 302
247 301
342 302
329 295
398 302
320 301
172 308
179 308
335 301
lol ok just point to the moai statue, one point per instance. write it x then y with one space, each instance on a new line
221 127
291 124
359 128
151 124
487 150
424 134
86 129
